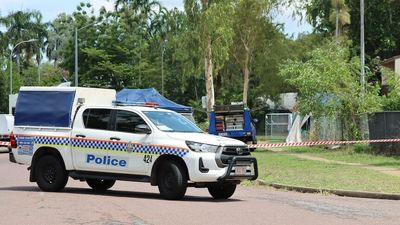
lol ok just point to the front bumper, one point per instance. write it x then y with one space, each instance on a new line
237 161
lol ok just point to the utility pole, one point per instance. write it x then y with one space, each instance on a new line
364 120
162 68
362 48
76 57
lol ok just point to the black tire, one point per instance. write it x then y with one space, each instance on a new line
172 180
50 174
222 191
99 184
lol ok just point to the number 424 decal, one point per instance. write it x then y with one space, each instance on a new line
148 158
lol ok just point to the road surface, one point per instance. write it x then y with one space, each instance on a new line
21 202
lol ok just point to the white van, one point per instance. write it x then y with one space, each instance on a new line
6 126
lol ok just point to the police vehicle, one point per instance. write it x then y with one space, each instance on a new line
79 133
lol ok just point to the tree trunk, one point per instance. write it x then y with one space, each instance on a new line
38 60
337 21
209 76
246 74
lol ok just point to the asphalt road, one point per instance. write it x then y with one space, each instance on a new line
22 202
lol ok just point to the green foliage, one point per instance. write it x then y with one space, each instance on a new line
328 85
391 102
381 18
218 24
3 93
133 45
53 76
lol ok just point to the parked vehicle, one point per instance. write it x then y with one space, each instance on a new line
6 126
78 133
233 121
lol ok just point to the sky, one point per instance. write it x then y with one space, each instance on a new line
51 8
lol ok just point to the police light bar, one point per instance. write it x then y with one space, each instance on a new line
144 104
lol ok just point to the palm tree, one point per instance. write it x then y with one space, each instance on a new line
19 27
3 44
340 15
40 33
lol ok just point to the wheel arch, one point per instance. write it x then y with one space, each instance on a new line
164 158
40 152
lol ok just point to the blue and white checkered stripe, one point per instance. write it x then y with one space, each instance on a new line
45 140
101 145
107 145
159 150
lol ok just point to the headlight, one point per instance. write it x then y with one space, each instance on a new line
201 147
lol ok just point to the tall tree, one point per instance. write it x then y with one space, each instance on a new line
382 39
40 33
20 27
249 16
211 22
339 15
59 35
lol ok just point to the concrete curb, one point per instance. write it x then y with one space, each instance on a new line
355 194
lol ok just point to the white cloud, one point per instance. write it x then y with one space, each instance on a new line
97 4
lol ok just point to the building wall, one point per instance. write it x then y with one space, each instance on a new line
397 66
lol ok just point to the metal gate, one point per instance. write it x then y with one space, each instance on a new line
277 125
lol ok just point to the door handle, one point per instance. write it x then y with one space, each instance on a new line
80 135
115 138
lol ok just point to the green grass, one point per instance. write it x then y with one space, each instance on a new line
352 154
271 139
290 170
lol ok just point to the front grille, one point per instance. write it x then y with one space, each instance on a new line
229 152
239 150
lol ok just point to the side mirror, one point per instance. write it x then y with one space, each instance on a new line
143 129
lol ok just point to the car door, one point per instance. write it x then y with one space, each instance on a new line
91 140
139 160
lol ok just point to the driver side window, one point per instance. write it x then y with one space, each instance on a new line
126 121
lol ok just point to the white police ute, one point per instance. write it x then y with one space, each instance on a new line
79 133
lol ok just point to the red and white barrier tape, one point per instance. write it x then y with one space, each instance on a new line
311 143
297 144
2 143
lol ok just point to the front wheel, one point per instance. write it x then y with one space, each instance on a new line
50 174
172 180
222 191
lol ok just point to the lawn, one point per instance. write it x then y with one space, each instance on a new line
289 170
353 154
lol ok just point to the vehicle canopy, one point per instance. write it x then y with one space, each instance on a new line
135 96
56 106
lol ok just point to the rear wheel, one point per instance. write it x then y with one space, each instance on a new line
222 191
50 174
99 184
172 180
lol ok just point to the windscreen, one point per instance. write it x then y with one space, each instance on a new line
171 122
